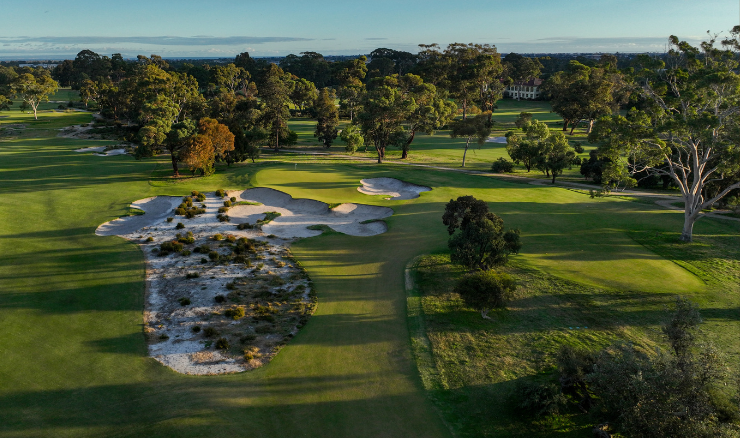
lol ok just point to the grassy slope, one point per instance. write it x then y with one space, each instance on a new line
75 362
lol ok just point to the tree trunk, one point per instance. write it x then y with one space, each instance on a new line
381 153
465 109
35 117
565 125
590 126
175 170
688 227
573 126
553 177
407 146
467 143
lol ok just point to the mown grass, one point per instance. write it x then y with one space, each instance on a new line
74 356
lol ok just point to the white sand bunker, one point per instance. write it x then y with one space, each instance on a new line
496 140
392 187
101 150
298 214
231 296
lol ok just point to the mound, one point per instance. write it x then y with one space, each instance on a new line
392 187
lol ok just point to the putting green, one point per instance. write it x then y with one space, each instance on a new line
74 360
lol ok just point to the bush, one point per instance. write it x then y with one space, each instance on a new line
539 399
170 219
485 290
196 329
185 252
227 203
188 238
502 165
234 313
247 338
219 298
203 260
244 226
194 193
220 193
232 199
192 275
210 332
168 247
223 218
264 329
213 255
203 249
231 238
179 226
223 209
218 236
150 239
180 212
222 344
184 301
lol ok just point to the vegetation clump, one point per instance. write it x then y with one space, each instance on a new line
486 290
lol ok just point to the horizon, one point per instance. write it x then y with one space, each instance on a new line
186 30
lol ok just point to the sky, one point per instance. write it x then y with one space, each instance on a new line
52 29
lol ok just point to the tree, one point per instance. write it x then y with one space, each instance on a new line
212 140
527 150
231 77
304 94
350 99
485 290
178 138
665 394
556 155
481 241
691 133
275 92
8 76
474 74
352 137
33 89
477 127
521 68
585 93
430 112
327 117
384 109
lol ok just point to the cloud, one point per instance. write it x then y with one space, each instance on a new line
568 44
152 40
375 39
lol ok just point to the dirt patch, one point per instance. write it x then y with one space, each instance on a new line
222 299
395 188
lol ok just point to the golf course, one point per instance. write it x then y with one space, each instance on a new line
377 358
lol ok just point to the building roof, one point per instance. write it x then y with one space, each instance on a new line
529 83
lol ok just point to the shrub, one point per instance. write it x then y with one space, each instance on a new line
192 275
223 218
218 236
185 252
195 329
163 337
210 332
232 199
179 226
213 255
244 226
231 238
269 216
170 219
222 344
230 285
184 301
223 209
204 249
234 313
502 165
539 399
150 239
220 193
194 193
247 338
188 238
485 290
180 212
168 247
227 203
264 329
219 298
203 260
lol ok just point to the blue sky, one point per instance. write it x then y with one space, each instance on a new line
223 28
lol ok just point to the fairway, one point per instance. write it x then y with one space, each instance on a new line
75 362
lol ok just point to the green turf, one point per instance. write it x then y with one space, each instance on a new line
74 359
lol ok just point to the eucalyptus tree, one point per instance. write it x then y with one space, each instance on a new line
34 88
692 132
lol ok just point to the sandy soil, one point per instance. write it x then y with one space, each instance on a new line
268 285
101 150
496 140
396 189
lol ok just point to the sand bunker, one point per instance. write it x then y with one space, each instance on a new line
396 189
191 292
101 150
496 140
298 214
